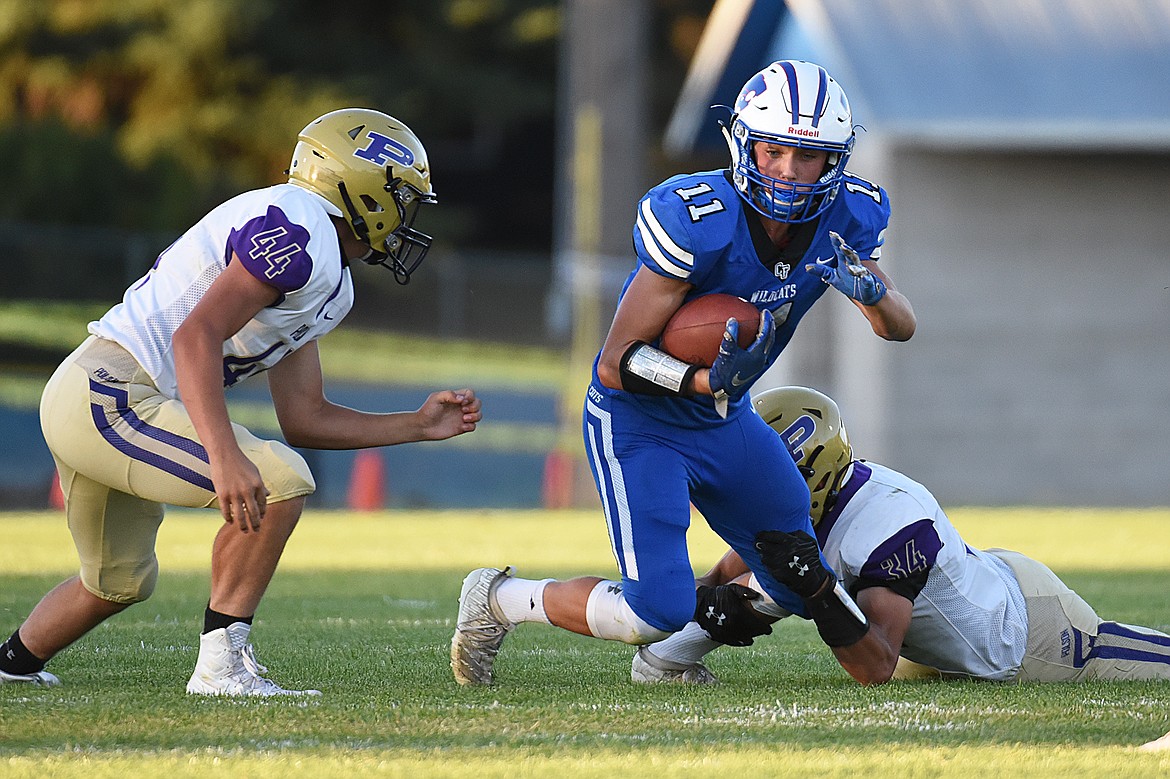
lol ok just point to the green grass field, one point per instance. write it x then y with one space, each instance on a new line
363 609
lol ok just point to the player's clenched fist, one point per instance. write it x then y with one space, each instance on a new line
727 616
450 413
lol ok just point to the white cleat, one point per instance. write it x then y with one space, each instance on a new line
648 669
479 630
40 679
227 665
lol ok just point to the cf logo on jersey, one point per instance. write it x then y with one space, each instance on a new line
268 246
383 150
781 270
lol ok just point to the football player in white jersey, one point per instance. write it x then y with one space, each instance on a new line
136 417
913 599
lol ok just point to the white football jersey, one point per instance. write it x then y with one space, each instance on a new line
969 616
283 236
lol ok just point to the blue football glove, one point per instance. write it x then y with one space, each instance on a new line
847 274
735 369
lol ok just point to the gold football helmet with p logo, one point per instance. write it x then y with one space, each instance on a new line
374 170
809 423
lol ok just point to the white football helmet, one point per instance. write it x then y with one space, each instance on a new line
791 103
374 169
810 424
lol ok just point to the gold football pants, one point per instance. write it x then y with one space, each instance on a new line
1067 641
122 451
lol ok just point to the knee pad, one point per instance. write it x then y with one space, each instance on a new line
610 617
119 585
118 562
285 472
146 584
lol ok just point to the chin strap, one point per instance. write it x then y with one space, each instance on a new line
355 219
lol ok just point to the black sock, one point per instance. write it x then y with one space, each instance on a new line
16 659
213 620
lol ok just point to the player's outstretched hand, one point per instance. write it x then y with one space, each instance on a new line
846 273
449 413
795 560
727 616
736 368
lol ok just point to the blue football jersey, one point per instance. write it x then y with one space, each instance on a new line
697 229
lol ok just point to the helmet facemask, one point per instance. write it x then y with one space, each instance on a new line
404 248
785 201
824 482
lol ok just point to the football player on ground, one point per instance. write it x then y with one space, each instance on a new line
136 416
929 604
777 228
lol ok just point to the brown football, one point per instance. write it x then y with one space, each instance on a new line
695 331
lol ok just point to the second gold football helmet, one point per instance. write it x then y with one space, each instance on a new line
810 424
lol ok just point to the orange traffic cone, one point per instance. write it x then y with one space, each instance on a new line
56 496
557 485
367 482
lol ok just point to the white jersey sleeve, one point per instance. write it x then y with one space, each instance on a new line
969 617
284 237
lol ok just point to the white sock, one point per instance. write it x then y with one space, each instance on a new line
521 600
686 647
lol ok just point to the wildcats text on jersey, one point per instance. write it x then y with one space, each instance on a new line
766 296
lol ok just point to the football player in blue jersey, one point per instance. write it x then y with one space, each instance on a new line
783 224
136 417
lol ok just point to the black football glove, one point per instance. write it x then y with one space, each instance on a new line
724 612
794 559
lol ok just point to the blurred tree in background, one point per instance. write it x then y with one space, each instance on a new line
142 114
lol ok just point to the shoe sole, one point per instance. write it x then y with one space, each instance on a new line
642 672
282 693
39 679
